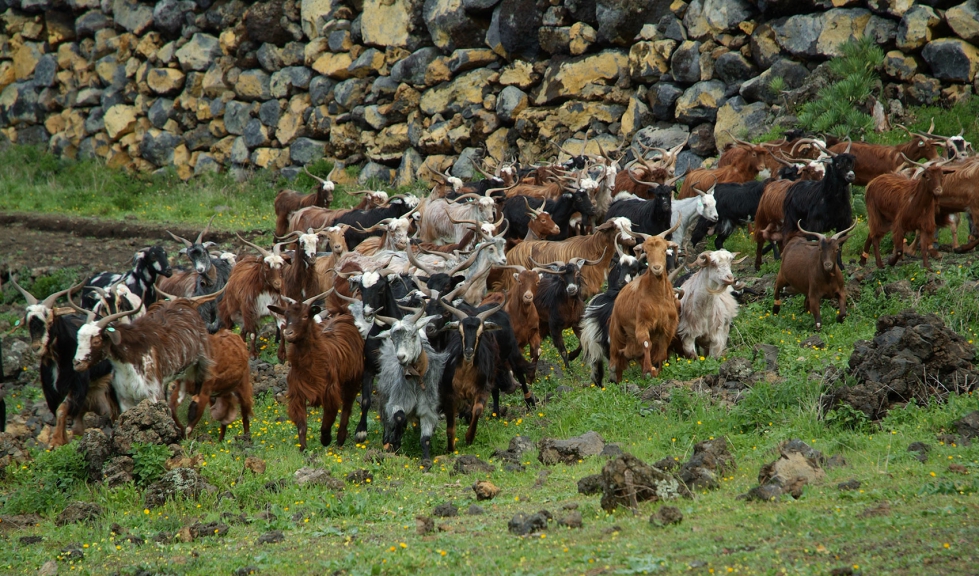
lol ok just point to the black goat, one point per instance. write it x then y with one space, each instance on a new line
148 263
736 205
820 205
647 216
359 220
209 275
559 304
515 211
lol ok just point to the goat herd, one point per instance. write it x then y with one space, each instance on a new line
438 298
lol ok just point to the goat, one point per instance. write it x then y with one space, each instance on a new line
600 245
288 201
644 316
394 236
689 210
522 310
515 209
598 314
228 386
821 205
769 216
148 264
730 155
254 283
412 380
168 343
319 217
960 193
210 275
900 204
54 339
437 215
647 216
872 160
559 303
745 166
708 305
326 363
484 351
810 268
399 206
736 204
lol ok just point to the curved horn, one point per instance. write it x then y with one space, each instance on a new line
385 320
534 213
665 233
113 317
641 182
910 161
903 127
676 272
454 221
600 258
455 311
802 141
315 177
801 229
198 300
414 262
842 233
312 299
204 231
487 313
31 300
468 262
261 250
89 315
186 242
848 146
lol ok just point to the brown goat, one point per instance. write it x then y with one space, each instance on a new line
744 165
326 366
898 204
644 316
254 283
521 309
731 155
810 268
229 384
872 160
288 201
600 245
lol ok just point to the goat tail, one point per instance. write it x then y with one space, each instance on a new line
594 340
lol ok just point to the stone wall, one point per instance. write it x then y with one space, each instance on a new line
227 85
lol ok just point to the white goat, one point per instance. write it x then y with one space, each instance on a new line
708 308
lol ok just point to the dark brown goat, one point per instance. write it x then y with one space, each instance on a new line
898 204
872 160
229 384
770 213
288 201
326 366
810 269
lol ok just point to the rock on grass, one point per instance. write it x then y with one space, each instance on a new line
666 516
523 524
78 512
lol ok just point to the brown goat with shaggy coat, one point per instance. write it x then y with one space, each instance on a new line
228 386
745 164
644 316
326 366
810 268
873 160
898 204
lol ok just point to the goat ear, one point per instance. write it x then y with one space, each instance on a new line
490 326
450 326
276 310
113 335
516 275
183 250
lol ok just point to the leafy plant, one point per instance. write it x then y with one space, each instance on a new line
149 461
776 85
836 110
846 417
45 485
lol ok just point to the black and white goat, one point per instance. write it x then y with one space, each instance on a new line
148 264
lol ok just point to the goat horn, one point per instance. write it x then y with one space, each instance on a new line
375 227
89 315
741 260
819 147
735 138
385 320
473 222
414 262
113 317
842 233
641 182
586 262
487 313
803 141
198 300
186 242
910 161
531 211
312 299
848 146
804 231
50 300
676 272
204 231
261 250
665 233
468 262
455 311
315 177
903 127
31 300
345 297
476 167
505 189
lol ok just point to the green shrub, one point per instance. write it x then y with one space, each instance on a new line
149 462
46 484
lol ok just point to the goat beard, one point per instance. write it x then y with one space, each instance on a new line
418 368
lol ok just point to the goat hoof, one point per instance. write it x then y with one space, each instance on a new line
360 437
531 401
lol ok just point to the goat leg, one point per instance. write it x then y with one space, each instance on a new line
897 235
345 410
326 428
448 406
813 303
841 297
366 387
297 413
557 336
59 438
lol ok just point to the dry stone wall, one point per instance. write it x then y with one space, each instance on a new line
207 85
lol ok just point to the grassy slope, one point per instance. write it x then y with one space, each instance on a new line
932 525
